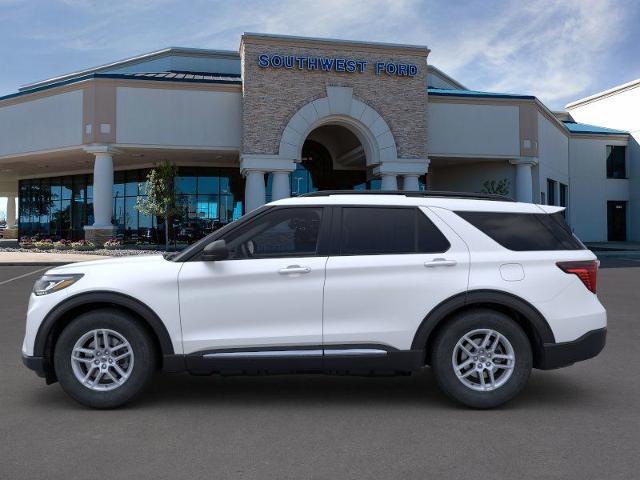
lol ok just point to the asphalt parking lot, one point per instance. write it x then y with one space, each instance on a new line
581 422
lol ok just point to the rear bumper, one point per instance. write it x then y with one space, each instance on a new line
556 355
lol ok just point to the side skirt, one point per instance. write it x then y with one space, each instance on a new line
336 359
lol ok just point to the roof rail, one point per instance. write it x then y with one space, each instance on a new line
425 193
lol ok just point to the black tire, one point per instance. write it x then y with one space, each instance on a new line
142 345
443 349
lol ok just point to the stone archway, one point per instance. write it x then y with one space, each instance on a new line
340 108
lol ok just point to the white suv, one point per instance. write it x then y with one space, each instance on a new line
479 288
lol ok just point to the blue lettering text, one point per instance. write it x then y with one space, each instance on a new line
327 63
263 60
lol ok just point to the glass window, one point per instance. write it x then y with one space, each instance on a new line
131 183
564 198
130 216
525 231
186 184
616 161
379 230
67 188
551 191
118 184
211 195
208 185
79 188
430 239
90 186
290 232
373 231
55 185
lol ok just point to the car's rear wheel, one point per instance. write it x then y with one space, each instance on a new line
104 358
481 358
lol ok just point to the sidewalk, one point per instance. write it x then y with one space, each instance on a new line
35 259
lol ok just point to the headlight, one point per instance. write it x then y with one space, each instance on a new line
52 283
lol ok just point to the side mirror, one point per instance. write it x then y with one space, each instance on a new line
215 251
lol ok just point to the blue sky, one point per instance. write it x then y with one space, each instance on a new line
557 50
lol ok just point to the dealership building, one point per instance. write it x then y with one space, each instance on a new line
287 115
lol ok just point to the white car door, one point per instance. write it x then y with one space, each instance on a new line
394 265
266 295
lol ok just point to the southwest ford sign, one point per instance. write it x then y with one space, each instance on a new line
335 64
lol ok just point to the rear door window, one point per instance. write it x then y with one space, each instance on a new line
379 231
525 231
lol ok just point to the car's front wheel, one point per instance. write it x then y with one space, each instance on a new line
481 358
104 358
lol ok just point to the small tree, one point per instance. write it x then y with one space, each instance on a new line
500 187
160 191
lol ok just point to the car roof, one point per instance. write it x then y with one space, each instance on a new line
456 203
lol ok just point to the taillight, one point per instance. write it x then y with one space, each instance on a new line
586 271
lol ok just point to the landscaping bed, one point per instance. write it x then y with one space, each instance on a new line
120 252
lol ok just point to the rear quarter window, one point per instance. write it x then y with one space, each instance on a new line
523 232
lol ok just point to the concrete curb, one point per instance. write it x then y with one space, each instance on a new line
33 264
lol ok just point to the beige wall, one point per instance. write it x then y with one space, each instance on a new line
175 117
620 110
50 122
466 129
271 96
553 157
590 189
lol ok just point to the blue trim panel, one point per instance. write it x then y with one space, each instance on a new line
442 92
584 128
120 76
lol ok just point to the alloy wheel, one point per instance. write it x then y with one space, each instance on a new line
483 360
102 360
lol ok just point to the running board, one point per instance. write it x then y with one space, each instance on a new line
358 360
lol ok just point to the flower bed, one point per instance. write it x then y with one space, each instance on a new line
43 244
62 245
83 246
26 242
113 244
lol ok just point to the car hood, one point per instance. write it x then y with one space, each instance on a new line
137 261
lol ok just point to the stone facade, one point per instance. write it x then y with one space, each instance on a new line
271 96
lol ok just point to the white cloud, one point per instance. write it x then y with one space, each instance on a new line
546 48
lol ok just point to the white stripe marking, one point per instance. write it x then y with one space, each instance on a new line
22 276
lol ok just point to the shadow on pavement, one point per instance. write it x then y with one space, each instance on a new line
619 262
182 390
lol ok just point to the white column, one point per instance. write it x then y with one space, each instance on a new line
254 191
280 187
524 179
11 212
103 189
389 182
411 183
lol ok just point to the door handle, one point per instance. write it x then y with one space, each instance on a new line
294 269
440 262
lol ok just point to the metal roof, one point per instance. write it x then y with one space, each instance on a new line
132 61
585 128
445 92
182 75
186 77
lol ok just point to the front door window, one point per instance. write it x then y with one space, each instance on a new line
287 232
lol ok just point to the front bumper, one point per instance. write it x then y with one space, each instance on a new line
41 366
556 355
37 364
